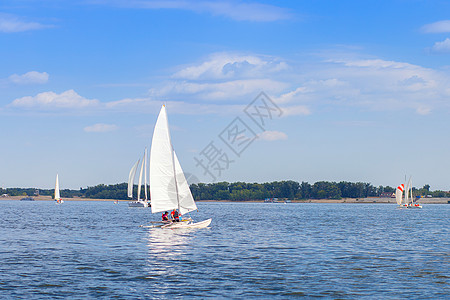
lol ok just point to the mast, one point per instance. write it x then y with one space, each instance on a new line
173 160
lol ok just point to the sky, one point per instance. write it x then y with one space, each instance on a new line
256 91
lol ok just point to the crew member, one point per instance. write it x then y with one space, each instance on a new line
175 216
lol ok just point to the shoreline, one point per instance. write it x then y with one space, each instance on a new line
374 200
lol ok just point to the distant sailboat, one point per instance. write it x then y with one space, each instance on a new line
404 197
168 186
132 174
58 199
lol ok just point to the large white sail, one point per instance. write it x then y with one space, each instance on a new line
163 191
57 196
131 179
399 193
168 186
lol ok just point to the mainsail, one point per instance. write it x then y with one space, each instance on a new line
168 186
399 193
57 196
408 192
131 179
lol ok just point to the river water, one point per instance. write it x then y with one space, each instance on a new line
86 250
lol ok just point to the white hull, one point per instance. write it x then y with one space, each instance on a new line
138 204
410 206
188 224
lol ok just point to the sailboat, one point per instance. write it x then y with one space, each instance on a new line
139 202
404 197
168 186
58 199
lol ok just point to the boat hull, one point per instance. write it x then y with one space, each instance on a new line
138 204
188 224
410 206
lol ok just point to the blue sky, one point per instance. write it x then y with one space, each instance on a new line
362 88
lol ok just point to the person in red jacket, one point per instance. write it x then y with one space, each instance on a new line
175 215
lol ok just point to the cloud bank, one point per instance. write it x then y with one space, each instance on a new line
226 83
437 27
51 100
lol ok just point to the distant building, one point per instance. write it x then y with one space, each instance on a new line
387 195
4 195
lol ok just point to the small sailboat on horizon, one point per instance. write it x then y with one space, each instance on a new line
58 199
404 197
139 202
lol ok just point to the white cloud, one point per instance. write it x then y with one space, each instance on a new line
437 27
225 76
442 47
379 85
29 78
227 65
101 128
51 100
10 23
233 9
272 136
298 89
423 110
370 84
228 90
292 95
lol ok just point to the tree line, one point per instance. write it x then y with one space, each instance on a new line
293 190
241 191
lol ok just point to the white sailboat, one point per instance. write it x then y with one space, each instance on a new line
139 202
168 186
58 199
404 197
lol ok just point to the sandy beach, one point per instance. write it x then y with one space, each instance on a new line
374 200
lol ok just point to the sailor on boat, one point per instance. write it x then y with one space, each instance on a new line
165 216
175 215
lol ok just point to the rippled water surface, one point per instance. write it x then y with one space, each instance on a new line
85 250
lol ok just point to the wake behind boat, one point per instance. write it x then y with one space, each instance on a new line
169 189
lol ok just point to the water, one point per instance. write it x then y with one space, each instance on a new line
85 250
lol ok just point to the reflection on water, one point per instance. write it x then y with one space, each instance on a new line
167 243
